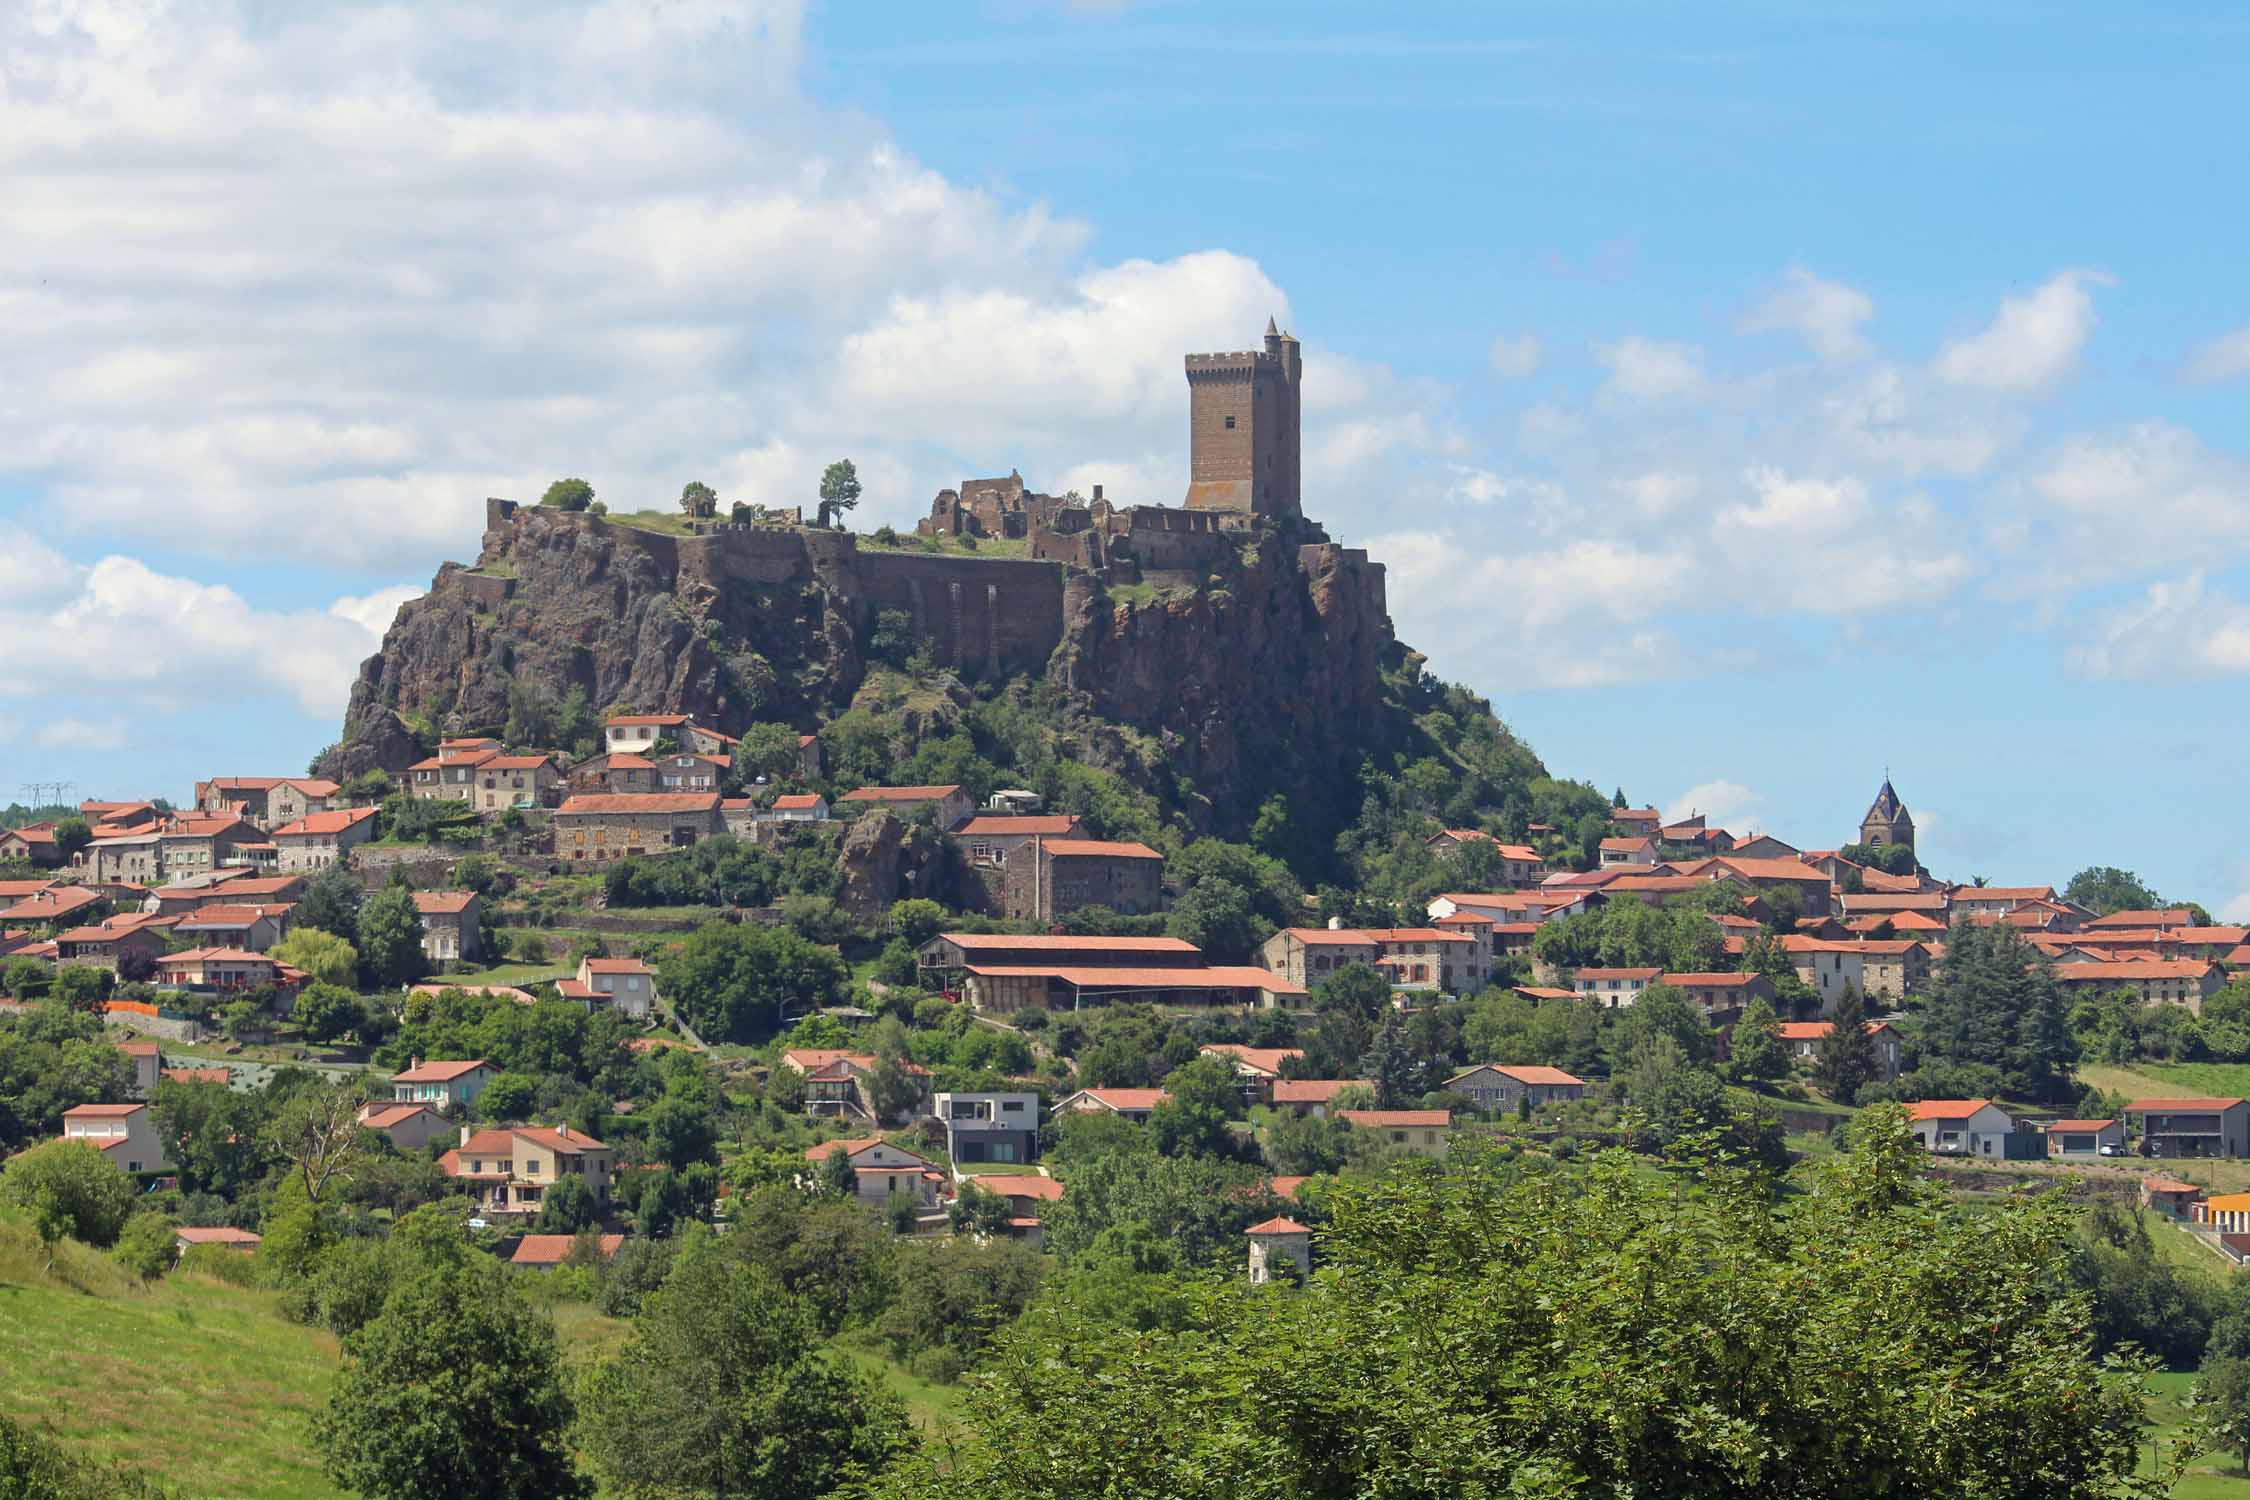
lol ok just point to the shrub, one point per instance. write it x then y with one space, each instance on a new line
146 1247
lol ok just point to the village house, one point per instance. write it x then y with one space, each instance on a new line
2143 919
1721 995
1803 1040
618 772
124 1133
1275 1242
224 970
1055 877
451 774
253 928
796 807
2171 1128
46 904
833 1081
1620 853
878 1168
410 1127
507 1171
1501 1089
1004 988
521 782
2185 981
1764 846
686 771
544 1252
445 1085
1613 989
605 827
1960 1127
1410 958
133 938
175 848
639 734
989 1127
1520 864
450 925
1636 822
31 843
1260 1065
948 804
1133 1104
1997 900
1550 903
226 1237
1027 1198
2086 1138
147 1059
1425 1132
989 838
1312 1096
625 983
320 840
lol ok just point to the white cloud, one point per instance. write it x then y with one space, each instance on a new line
1516 356
78 734
127 633
1825 314
2179 629
1723 803
2114 504
2032 342
2226 357
1645 369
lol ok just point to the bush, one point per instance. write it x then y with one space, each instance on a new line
221 1264
146 1247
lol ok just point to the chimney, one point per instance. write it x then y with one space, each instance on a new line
1097 492
466 1132
1335 924
412 1063
563 1131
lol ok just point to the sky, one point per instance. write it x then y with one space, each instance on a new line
1748 402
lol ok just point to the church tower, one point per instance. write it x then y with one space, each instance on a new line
1887 820
1242 429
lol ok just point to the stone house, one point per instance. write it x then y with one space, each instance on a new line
101 945
1893 968
1829 968
252 927
949 804
1721 994
796 807
516 781
1133 1104
123 1133
1449 958
316 842
33 844
1960 1127
507 1171
443 1085
625 983
690 772
1425 1132
1054 877
410 1127
300 797
451 928
1275 1241
1520 864
698 740
1312 1096
1803 1039
1498 1088
2182 981
878 1167
220 969
620 772
1307 955
989 838
451 774
604 826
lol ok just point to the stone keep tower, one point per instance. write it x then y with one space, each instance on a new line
1242 429
1887 820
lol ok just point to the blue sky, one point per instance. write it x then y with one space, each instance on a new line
1745 400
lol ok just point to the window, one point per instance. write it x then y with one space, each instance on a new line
531 1168
1230 424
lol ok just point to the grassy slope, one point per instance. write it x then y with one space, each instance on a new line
199 1384
2214 1476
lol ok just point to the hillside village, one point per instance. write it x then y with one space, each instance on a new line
920 987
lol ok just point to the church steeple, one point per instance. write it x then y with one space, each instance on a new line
1887 820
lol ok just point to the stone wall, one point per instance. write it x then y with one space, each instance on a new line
983 617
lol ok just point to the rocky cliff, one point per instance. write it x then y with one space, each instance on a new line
1265 675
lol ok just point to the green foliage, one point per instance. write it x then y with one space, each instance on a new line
454 1389
390 938
1758 1056
53 1058
699 499
1192 1121
1845 1061
2139 1298
1630 1338
723 1390
72 835
568 1206
2103 889
1891 859
330 903
568 494
82 988
839 490
1680 937
67 1187
146 1247
718 871
1995 1020
825 1251
731 983
953 1296
1197 1204
34 1466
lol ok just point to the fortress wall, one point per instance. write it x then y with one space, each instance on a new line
991 617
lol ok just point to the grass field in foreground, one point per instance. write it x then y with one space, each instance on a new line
2214 1475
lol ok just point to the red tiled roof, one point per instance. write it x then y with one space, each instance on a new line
2074 1127
1264 1059
1945 1109
1527 1073
139 1049
1044 1189
554 1249
198 1075
2170 916
796 802
996 825
617 966
1717 980
325 822
900 794
1210 977
1813 1031
1128 1098
1099 848
659 720
223 1235
102 1111
2134 969
516 763
625 760
443 903
439 1072
1061 943
384 1116
53 902
1392 1118
640 802
1313 1090
2180 1106
1278 1226
1650 975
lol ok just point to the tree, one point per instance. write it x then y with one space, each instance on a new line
390 938
82 988
699 499
453 1392
568 494
1845 1061
1201 1097
724 1389
71 835
568 1206
837 1175
1994 1004
34 1466
146 1248
1301 1395
2223 1386
1397 1073
318 1130
2103 889
217 1139
891 1088
509 1096
732 983
839 492
324 956
68 1187
330 903
1758 1055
